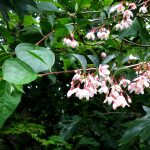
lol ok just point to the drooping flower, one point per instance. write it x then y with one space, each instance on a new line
143 9
67 41
124 82
90 35
103 71
127 14
120 8
103 34
74 44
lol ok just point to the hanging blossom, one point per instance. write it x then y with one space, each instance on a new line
143 9
103 34
70 42
86 86
90 35
127 15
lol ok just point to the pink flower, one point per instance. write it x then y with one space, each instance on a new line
143 9
104 88
120 8
132 6
84 93
103 34
118 26
103 71
124 82
67 41
90 35
74 44
127 14
72 91
109 100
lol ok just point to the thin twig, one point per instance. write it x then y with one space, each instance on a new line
88 69
132 43
63 72
44 37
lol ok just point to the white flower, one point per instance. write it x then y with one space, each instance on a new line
103 71
121 101
77 76
120 8
131 57
90 35
103 55
67 41
84 93
74 44
118 26
103 34
72 91
109 99
127 14
124 82
143 9
104 88
112 9
129 21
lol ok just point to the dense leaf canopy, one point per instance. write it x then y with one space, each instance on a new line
42 44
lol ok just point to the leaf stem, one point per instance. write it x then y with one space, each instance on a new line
44 38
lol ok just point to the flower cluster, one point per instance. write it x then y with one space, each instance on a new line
70 42
115 90
127 14
102 34
84 86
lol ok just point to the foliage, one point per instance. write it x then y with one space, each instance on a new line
34 76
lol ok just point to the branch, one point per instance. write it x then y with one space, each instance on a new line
63 72
88 69
132 43
44 38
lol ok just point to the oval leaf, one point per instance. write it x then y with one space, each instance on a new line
38 58
17 72
81 59
108 59
8 101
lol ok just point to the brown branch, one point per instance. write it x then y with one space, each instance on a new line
88 69
63 72
44 37
132 43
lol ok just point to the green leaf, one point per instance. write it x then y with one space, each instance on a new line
38 58
17 72
6 35
81 59
8 101
108 59
139 127
47 6
70 28
94 59
19 88
88 141
69 126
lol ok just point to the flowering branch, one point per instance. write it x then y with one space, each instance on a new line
88 69
63 72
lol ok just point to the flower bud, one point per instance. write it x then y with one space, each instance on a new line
103 55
